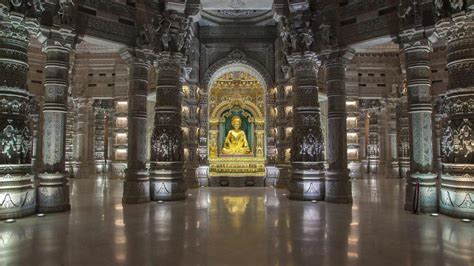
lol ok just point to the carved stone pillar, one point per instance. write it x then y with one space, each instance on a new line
403 139
166 166
338 187
17 195
80 139
53 186
416 50
457 180
373 144
35 120
136 187
307 148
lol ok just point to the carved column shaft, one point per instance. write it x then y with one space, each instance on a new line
307 148
338 187
457 180
403 137
17 195
166 167
53 189
418 69
137 183
80 138
373 145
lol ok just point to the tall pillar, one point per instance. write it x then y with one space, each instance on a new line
457 180
80 166
392 150
53 186
17 195
373 144
307 143
403 139
166 166
166 154
136 187
35 120
337 186
416 50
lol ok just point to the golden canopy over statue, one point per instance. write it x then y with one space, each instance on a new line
236 140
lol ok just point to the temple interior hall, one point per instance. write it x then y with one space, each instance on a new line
237 132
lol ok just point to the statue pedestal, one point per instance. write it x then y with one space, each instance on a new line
237 181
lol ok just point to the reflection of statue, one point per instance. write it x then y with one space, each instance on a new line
236 140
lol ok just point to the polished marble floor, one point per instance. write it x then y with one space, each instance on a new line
237 226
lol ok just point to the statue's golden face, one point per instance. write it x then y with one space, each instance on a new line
236 122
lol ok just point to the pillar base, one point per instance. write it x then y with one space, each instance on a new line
17 203
202 173
167 189
284 176
167 182
428 196
53 193
457 194
307 181
136 191
80 170
395 170
338 188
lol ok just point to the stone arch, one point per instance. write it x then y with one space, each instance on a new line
236 61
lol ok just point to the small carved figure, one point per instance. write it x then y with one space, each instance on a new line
308 37
456 5
66 12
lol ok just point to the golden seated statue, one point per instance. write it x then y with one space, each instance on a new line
236 140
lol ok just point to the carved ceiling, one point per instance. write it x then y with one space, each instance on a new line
237 4
242 12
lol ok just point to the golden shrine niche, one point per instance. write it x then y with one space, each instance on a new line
236 126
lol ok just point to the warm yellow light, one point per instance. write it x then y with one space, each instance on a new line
351 103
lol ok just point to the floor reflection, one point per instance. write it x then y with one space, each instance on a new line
237 226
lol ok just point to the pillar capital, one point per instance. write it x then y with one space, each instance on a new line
338 57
